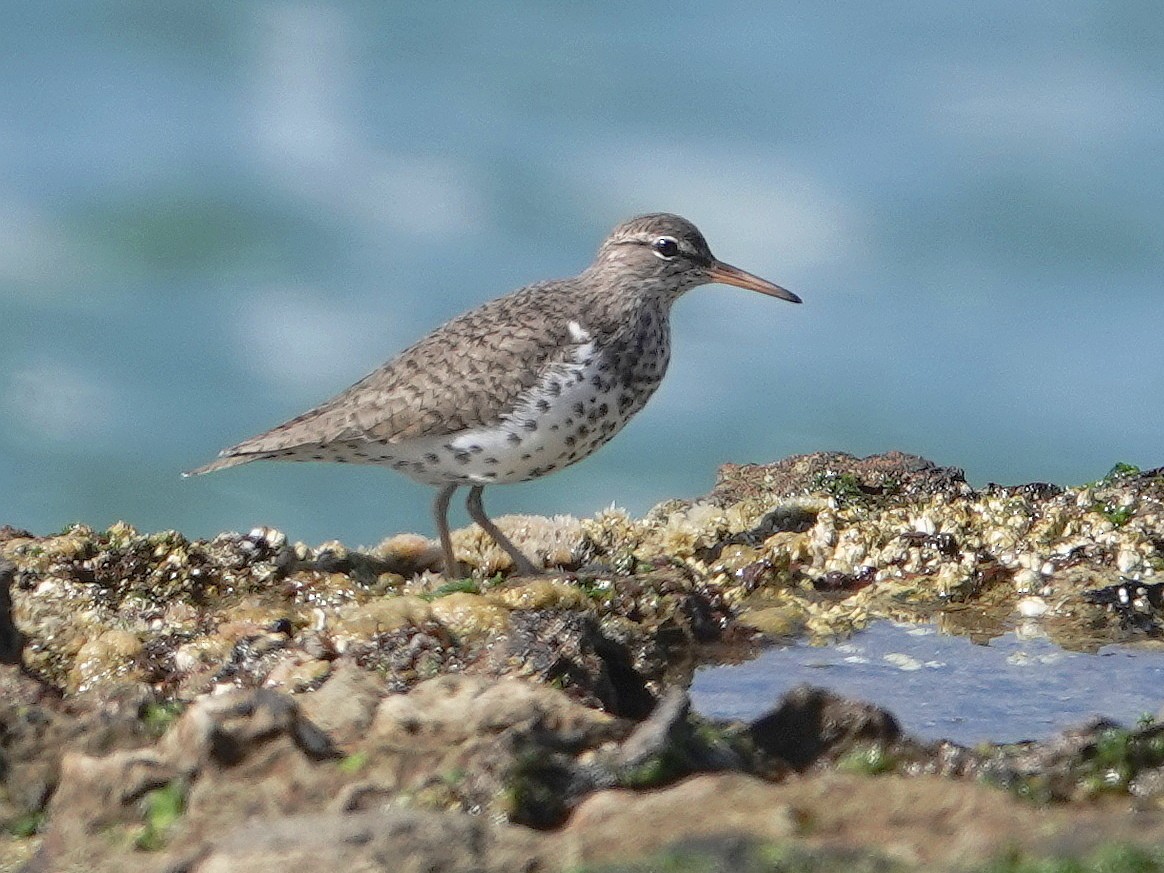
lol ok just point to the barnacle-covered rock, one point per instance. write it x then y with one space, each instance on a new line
827 541
559 541
815 546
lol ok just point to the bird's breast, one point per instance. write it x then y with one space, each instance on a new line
576 405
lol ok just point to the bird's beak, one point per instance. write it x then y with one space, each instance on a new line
729 275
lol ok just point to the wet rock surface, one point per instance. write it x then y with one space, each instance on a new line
889 473
244 703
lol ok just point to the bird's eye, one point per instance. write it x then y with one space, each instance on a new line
665 247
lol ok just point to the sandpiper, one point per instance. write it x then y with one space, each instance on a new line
522 386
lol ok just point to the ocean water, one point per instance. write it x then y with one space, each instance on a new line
214 216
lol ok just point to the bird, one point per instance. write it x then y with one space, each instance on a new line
519 387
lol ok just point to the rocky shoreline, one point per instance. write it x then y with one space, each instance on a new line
245 703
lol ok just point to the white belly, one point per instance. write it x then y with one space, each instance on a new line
575 409
526 445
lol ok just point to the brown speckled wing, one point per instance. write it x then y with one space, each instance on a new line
467 373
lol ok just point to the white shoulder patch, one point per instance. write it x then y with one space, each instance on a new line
578 333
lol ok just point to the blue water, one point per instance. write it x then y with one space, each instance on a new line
1021 686
215 215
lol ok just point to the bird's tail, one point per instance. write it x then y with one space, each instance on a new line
221 464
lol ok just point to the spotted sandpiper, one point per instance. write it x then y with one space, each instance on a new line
522 386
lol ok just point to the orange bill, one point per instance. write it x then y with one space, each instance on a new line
729 275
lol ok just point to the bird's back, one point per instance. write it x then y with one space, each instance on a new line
466 374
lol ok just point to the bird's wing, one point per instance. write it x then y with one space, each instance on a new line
468 373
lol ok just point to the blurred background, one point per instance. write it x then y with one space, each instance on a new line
216 215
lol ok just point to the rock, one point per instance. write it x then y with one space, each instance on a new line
96 792
383 615
345 704
108 659
621 824
441 777
226 758
812 725
505 747
397 840
667 745
38 730
11 641
570 650
658 732
470 617
892 472
420 707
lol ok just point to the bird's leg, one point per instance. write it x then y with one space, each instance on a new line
440 510
477 513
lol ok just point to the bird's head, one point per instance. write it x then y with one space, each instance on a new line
668 255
